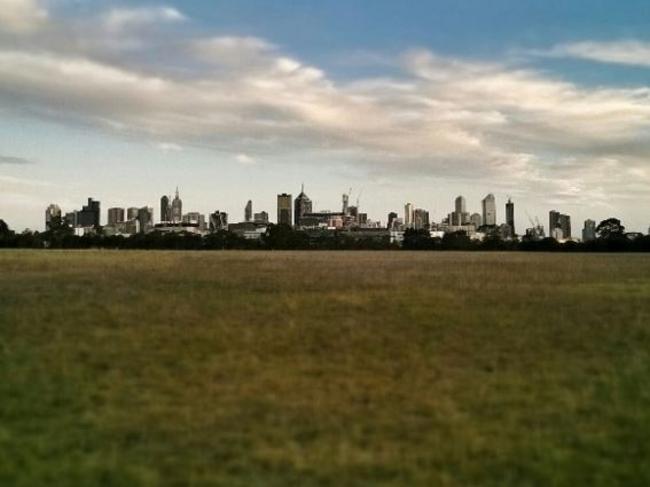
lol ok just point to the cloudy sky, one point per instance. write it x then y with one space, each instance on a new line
419 101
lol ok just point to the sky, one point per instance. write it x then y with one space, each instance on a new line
546 102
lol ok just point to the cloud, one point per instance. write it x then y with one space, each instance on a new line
121 18
169 147
21 16
444 117
14 160
244 159
627 52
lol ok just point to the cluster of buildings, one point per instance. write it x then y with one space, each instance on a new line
299 213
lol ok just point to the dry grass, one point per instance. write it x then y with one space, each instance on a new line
243 368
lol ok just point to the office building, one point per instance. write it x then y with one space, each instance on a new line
145 219
459 216
261 217
89 215
589 231
392 216
218 221
284 209
476 220
165 209
409 215
52 214
302 205
248 211
115 216
510 216
561 221
177 208
420 219
489 210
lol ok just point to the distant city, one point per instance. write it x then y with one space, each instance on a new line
299 214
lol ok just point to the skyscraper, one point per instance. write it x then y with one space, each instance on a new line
392 216
248 211
459 216
489 210
302 205
165 209
421 219
89 215
510 216
346 201
53 212
409 211
589 231
115 215
177 209
218 221
145 219
284 209
476 220
132 213
561 221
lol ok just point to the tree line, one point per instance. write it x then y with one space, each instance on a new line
610 237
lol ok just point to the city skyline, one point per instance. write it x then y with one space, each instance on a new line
535 102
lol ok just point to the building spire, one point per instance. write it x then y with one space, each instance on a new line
302 188
177 191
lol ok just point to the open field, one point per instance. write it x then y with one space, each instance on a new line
351 368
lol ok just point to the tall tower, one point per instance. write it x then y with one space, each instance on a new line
53 212
248 211
165 209
302 205
489 210
409 215
510 216
346 202
177 208
284 209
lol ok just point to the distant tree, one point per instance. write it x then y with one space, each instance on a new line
417 240
4 228
610 229
456 241
283 237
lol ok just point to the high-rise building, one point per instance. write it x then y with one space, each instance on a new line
261 217
409 211
145 219
392 216
561 221
248 211
71 218
177 208
53 212
420 219
284 209
510 216
346 201
589 231
131 213
489 210
89 215
302 205
476 220
115 215
218 221
459 216
165 209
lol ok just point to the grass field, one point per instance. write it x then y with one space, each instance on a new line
351 368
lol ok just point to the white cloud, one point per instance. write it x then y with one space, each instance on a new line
21 16
169 147
628 52
245 159
121 18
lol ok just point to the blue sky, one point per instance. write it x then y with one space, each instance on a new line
544 101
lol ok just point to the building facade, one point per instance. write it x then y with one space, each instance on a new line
284 209
52 213
510 216
302 205
489 210
248 211
115 216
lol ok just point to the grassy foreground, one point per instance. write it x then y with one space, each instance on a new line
351 368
